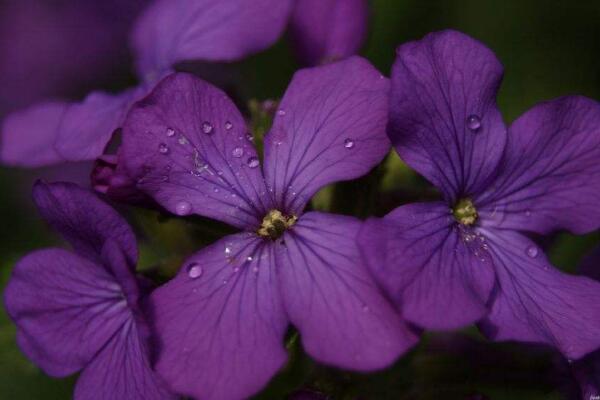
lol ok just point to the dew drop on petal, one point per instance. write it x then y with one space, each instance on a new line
228 125
194 270
253 162
183 208
532 251
227 249
473 122
207 127
170 132
528 213
281 112
163 148
348 143
237 152
249 258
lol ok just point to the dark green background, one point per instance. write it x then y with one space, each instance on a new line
548 48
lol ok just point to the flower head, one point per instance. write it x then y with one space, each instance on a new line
465 259
222 320
80 310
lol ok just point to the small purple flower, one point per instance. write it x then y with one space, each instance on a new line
167 32
80 310
327 30
222 320
464 259
587 370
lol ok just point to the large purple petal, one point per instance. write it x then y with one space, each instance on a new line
83 219
535 302
438 273
550 175
330 126
343 318
443 116
186 145
86 127
66 308
28 136
171 31
220 321
122 370
326 30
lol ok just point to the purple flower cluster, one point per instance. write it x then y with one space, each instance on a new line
358 293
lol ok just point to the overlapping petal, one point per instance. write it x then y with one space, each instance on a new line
84 220
122 370
439 275
186 145
28 136
534 302
221 322
171 31
443 117
550 175
326 30
343 318
330 126
66 309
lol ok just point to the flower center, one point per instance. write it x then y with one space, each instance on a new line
464 212
274 224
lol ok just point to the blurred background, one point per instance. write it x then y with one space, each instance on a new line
65 48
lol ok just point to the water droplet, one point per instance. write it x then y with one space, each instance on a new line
163 148
236 269
348 143
249 258
228 125
532 251
182 140
207 127
183 208
227 249
216 190
170 132
253 162
528 213
194 270
224 281
281 112
473 122
237 152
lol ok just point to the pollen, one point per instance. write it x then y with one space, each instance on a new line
465 212
275 223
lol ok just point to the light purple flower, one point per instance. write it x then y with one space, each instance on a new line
464 259
327 30
80 310
167 32
222 320
587 370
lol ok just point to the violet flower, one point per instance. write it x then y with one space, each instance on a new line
328 30
587 370
222 320
80 310
168 32
466 258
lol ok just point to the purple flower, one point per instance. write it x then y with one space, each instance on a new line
169 31
327 30
587 370
222 320
465 259
80 310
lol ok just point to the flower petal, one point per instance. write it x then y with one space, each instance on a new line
330 126
537 303
343 318
66 308
220 321
443 116
326 30
83 219
187 147
439 275
171 31
550 175
122 370
28 136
